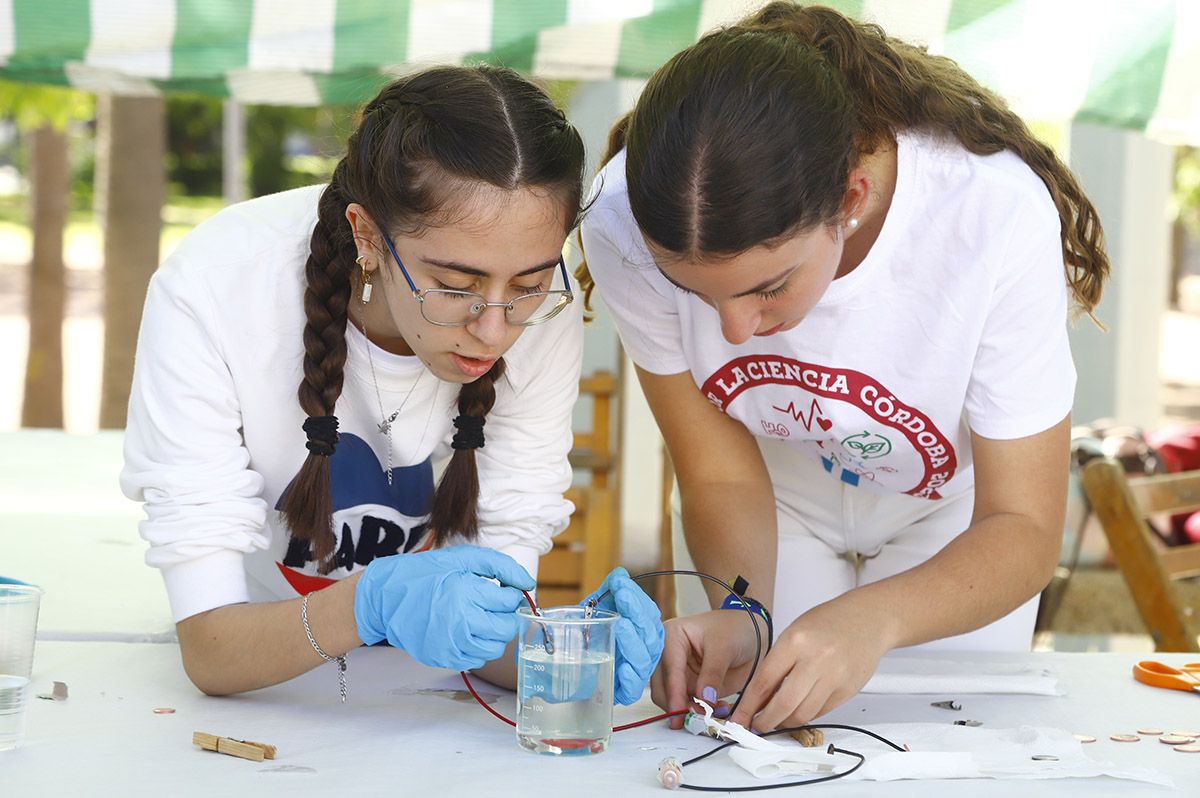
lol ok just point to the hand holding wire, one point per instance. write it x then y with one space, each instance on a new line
821 660
706 656
671 771
639 633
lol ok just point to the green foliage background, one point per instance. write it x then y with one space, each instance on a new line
1186 200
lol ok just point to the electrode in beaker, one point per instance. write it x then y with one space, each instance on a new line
565 680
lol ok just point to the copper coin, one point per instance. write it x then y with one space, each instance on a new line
1188 749
164 711
1124 738
1186 734
1172 739
1150 732
1085 738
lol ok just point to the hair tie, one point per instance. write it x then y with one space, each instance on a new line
470 432
322 434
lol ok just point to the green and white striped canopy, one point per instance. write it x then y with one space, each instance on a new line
1131 64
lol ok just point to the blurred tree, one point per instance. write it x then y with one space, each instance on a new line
278 138
194 145
266 127
131 187
280 145
1185 211
48 186
42 113
1186 201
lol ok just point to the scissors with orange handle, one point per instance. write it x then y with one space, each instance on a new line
1158 674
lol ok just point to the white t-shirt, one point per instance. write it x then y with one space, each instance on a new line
214 435
955 321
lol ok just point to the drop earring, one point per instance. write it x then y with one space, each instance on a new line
366 278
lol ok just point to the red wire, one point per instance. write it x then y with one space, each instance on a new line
623 727
467 681
637 723
483 703
488 707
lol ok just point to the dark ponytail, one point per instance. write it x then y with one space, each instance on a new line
705 180
421 147
454 503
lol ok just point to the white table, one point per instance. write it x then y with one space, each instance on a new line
393 738
66 527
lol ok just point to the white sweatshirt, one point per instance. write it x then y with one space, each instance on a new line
214 434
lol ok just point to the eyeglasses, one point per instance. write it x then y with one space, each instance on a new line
446 307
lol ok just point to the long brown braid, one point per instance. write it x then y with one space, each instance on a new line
830 90
423 143
454 504
308 499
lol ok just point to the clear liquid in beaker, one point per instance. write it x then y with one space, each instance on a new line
564 701
13 697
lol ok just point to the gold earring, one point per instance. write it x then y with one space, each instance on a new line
361 260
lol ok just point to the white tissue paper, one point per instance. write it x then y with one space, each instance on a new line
938 751
766 759
913 676
944 751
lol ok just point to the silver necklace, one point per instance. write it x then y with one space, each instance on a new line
386 422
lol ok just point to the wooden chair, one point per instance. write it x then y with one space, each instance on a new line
1123 504
589 547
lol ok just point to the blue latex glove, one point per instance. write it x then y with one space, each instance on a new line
639 634
439 607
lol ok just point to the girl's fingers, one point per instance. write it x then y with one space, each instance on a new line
798 699
674 666
771 673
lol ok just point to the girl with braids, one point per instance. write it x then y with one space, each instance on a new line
843 270
416 306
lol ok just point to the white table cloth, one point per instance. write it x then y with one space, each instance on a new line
66 527
401 734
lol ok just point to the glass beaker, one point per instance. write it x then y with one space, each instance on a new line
565 680
18 629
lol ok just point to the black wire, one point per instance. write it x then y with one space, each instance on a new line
833 749
819 779
731 743
757 658
757 634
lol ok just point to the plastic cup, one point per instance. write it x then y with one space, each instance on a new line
565 680
18 627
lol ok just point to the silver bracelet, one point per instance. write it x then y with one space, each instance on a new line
341 661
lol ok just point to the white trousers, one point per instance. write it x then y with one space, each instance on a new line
834 537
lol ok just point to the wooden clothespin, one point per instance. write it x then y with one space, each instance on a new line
809 738
246 749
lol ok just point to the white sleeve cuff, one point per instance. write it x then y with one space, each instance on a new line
205 583
526 556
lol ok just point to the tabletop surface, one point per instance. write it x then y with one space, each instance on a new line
65 527
408 730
